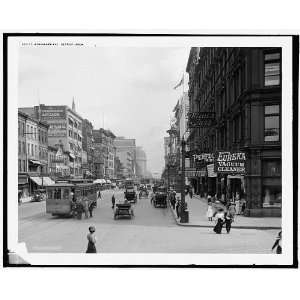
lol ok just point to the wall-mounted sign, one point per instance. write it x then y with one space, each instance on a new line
201 119
211 171
193 172
207 157
52 112
57 129
230 162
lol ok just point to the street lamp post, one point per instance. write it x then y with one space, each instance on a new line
183 213
168 176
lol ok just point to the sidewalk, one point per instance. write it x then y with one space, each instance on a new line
197 217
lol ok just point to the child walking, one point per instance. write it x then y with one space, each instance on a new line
209 212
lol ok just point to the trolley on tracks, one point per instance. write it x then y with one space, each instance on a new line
62 196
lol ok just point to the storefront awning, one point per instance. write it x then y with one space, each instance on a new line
235 176
42 181
35 162
72 155
101 181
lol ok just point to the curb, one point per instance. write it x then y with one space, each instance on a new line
212 226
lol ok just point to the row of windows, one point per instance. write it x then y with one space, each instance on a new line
235 84
74 123
75 147
272 69
32 150
75 135
236 131
58 159
22 165
32 133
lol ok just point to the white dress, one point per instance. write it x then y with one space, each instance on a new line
209 212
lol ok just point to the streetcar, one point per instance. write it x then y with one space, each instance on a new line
61 195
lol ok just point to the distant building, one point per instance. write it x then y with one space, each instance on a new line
126 151
88 147
141 162
126 160
104 153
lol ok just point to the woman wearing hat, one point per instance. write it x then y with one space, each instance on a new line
91 248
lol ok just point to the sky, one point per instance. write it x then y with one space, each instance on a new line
129 90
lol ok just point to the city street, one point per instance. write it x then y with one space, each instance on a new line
152 230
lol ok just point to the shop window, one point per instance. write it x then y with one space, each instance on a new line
272 123
272 196
272 168
272 69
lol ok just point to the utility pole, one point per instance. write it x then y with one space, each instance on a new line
183 213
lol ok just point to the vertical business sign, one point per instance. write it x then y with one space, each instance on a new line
230 162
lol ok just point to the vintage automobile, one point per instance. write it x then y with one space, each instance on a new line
160 197
39 195
123 210
143 192
130 194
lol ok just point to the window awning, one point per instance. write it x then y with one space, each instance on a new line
72 155
235 176
42 181
35 162
101 181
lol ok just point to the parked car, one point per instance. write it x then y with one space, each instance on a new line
39 195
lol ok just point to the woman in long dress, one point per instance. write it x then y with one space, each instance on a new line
91 248
220 222
209 212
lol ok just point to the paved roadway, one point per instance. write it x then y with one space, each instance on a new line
151 230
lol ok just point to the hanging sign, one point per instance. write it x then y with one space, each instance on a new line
230 162
201 119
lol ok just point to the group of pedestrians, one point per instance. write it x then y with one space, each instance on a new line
223 218
82 206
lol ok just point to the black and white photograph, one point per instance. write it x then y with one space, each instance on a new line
150 150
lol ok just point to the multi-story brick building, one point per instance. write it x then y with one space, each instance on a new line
242 88
65 130
88 145
104 153
32 151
